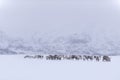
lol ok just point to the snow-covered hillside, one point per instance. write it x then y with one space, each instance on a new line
70 44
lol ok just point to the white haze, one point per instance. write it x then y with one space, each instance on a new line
23 18
80 26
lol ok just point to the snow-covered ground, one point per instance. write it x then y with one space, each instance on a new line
15 67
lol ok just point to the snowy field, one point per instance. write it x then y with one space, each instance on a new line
29 27
14 67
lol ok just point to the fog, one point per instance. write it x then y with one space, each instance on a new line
23 18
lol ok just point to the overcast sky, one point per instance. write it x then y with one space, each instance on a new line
26 17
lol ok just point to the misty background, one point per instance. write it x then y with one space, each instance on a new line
23 18
60 27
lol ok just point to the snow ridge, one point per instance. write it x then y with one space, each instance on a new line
72 44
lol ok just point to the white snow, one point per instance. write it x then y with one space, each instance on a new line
15 67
